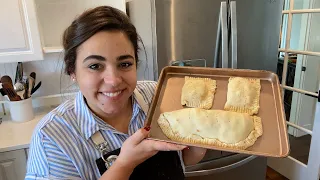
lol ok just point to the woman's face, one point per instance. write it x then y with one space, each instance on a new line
106 71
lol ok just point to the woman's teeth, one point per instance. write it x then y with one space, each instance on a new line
112 94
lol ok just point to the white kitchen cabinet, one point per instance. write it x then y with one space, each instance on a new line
56 15
30 28
19 33
13 165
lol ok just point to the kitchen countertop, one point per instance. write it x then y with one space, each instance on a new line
15 135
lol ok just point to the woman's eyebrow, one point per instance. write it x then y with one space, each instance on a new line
123 57
97 57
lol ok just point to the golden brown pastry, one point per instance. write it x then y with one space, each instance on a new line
211 127
243 95
198 92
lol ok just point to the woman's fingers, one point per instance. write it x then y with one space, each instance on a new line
138 139
163 146
138 136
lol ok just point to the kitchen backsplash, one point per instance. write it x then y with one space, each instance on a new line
50 72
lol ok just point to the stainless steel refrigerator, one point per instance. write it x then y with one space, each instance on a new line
187 29
198 32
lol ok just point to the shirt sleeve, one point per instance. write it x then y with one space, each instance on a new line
47 161
147 90
37 166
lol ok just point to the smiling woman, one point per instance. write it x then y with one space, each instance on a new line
106 74
108 115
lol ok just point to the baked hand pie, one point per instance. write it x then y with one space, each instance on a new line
198 92
211 127
243 95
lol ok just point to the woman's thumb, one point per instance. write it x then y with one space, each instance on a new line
140 135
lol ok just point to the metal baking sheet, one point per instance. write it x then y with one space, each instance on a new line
273 142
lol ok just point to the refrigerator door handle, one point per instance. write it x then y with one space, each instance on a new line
234 49
220 169
218 43
224 33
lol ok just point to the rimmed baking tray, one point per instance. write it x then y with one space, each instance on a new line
273 142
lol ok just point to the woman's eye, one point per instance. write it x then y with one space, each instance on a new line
95 66
125 65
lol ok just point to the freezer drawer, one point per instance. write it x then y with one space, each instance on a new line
236 166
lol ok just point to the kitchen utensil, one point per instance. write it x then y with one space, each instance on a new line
7 80
9 89
33 75
36 88
19 73
12 95
18 86
21 93
2 90
26 88
30 85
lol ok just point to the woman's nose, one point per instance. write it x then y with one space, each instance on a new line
113 78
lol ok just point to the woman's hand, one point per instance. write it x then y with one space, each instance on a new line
136 149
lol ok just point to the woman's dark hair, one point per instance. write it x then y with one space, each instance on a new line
102 18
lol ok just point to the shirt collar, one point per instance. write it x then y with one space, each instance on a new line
89 123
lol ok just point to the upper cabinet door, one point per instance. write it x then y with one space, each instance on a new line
19 32
54 16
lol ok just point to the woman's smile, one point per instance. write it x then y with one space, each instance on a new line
112 95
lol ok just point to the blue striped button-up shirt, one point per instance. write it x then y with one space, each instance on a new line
62 147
